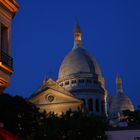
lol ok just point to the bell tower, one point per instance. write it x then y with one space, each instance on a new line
8 9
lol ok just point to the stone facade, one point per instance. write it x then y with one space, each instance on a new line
53 98
8 9
81 77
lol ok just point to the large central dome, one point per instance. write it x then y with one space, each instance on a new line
78 61
80 75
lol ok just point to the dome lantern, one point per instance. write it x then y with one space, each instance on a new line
119 84
77 36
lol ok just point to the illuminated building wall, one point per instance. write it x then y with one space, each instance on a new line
8 9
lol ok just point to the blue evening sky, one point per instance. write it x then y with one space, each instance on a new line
42 34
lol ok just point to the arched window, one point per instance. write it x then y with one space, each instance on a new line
95 82
4 39
90 104
97 105
81 81
89 81
67 83
73 81
84 101
103 106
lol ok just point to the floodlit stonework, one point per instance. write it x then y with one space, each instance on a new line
119 103
8 9
53 98
81 80
80 84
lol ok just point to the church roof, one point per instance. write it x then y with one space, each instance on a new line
121 102
50 84
79 60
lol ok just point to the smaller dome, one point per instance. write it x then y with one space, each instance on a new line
121 102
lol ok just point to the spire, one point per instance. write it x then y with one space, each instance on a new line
119 84
77 28
77 36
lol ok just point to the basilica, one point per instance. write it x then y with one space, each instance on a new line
80 85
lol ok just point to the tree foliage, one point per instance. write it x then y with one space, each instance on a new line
133 118
18 115
71 126
24 119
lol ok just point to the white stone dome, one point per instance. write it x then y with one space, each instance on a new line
80 74
78 60
121 102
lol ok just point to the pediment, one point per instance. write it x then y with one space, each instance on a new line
51 96
50 84
50 92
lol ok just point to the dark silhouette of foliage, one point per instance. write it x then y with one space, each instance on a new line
24 119
71 126
18 115
133 118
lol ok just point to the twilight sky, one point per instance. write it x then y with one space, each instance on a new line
42 34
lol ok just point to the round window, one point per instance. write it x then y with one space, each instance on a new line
50 98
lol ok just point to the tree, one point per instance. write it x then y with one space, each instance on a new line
24 119
18 115
71 126
133 118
